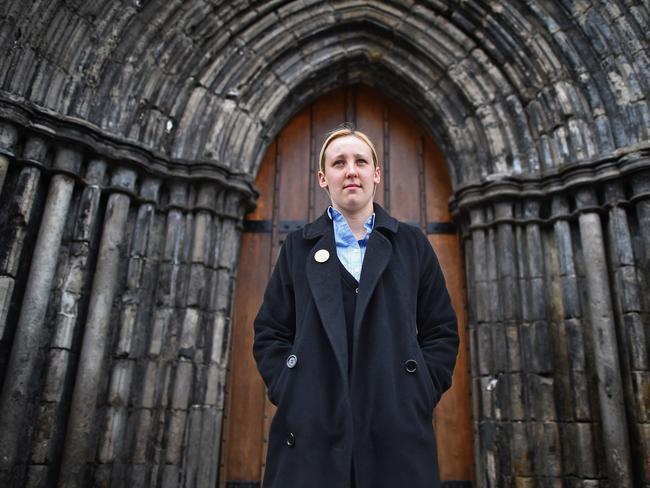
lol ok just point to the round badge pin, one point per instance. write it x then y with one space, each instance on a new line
322 255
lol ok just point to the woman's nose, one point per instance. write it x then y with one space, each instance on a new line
351 168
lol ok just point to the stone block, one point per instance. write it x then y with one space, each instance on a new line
570 296
223 291
201 237
120 382
481 301
96 171
541 390
190 332
137 475
174 235
68 158
635 331
517 408
11 250
486 386
564 395
170 475
159 330
499 348
147 392
36 476
645 447
144 429
183 385
547 453
134 273
513 346
541 344
142 232
486 351
510 305
112 434
6 294
586 444
628 289
229 245
175 426
214 387
197 290
47 433
641 385
219 338
58 375
87 214
127 329
521 450
582 395
538 304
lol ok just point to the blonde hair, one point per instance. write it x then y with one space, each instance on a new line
342 131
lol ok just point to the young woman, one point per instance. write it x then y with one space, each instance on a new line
356 339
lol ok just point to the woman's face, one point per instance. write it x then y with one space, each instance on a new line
350 174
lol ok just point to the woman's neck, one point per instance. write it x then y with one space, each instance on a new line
357 219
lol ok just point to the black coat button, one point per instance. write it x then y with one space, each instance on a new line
291 439
411 366
292 361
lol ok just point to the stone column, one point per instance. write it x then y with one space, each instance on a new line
18 389
136 301
22 212
8 138
73 275
638 325
79 443
606 356
579 438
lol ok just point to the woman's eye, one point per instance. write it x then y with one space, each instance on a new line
362 161
338 163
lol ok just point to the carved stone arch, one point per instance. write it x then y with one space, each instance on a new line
541 108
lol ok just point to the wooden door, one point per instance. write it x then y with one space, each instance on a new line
289 197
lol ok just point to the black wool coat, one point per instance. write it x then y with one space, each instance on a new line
377 414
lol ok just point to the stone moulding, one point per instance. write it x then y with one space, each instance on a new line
70 130
622 164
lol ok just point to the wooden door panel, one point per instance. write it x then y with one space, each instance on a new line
372 116
327 112
415 187
404 171
293 166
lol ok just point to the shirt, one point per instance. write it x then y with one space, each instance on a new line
350 250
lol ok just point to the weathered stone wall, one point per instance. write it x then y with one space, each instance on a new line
558 273
131 132
116 287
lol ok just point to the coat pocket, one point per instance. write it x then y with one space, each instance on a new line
279 386
422 371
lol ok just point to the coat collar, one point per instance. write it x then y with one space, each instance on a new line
323 223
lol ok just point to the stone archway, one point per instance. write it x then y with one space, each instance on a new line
541 110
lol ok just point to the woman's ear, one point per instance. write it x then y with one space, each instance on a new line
322 179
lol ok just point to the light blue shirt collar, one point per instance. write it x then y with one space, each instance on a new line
349 250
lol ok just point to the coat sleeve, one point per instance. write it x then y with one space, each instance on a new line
436 320
275 324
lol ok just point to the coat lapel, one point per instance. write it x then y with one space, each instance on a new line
377 257
325 284
378 254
